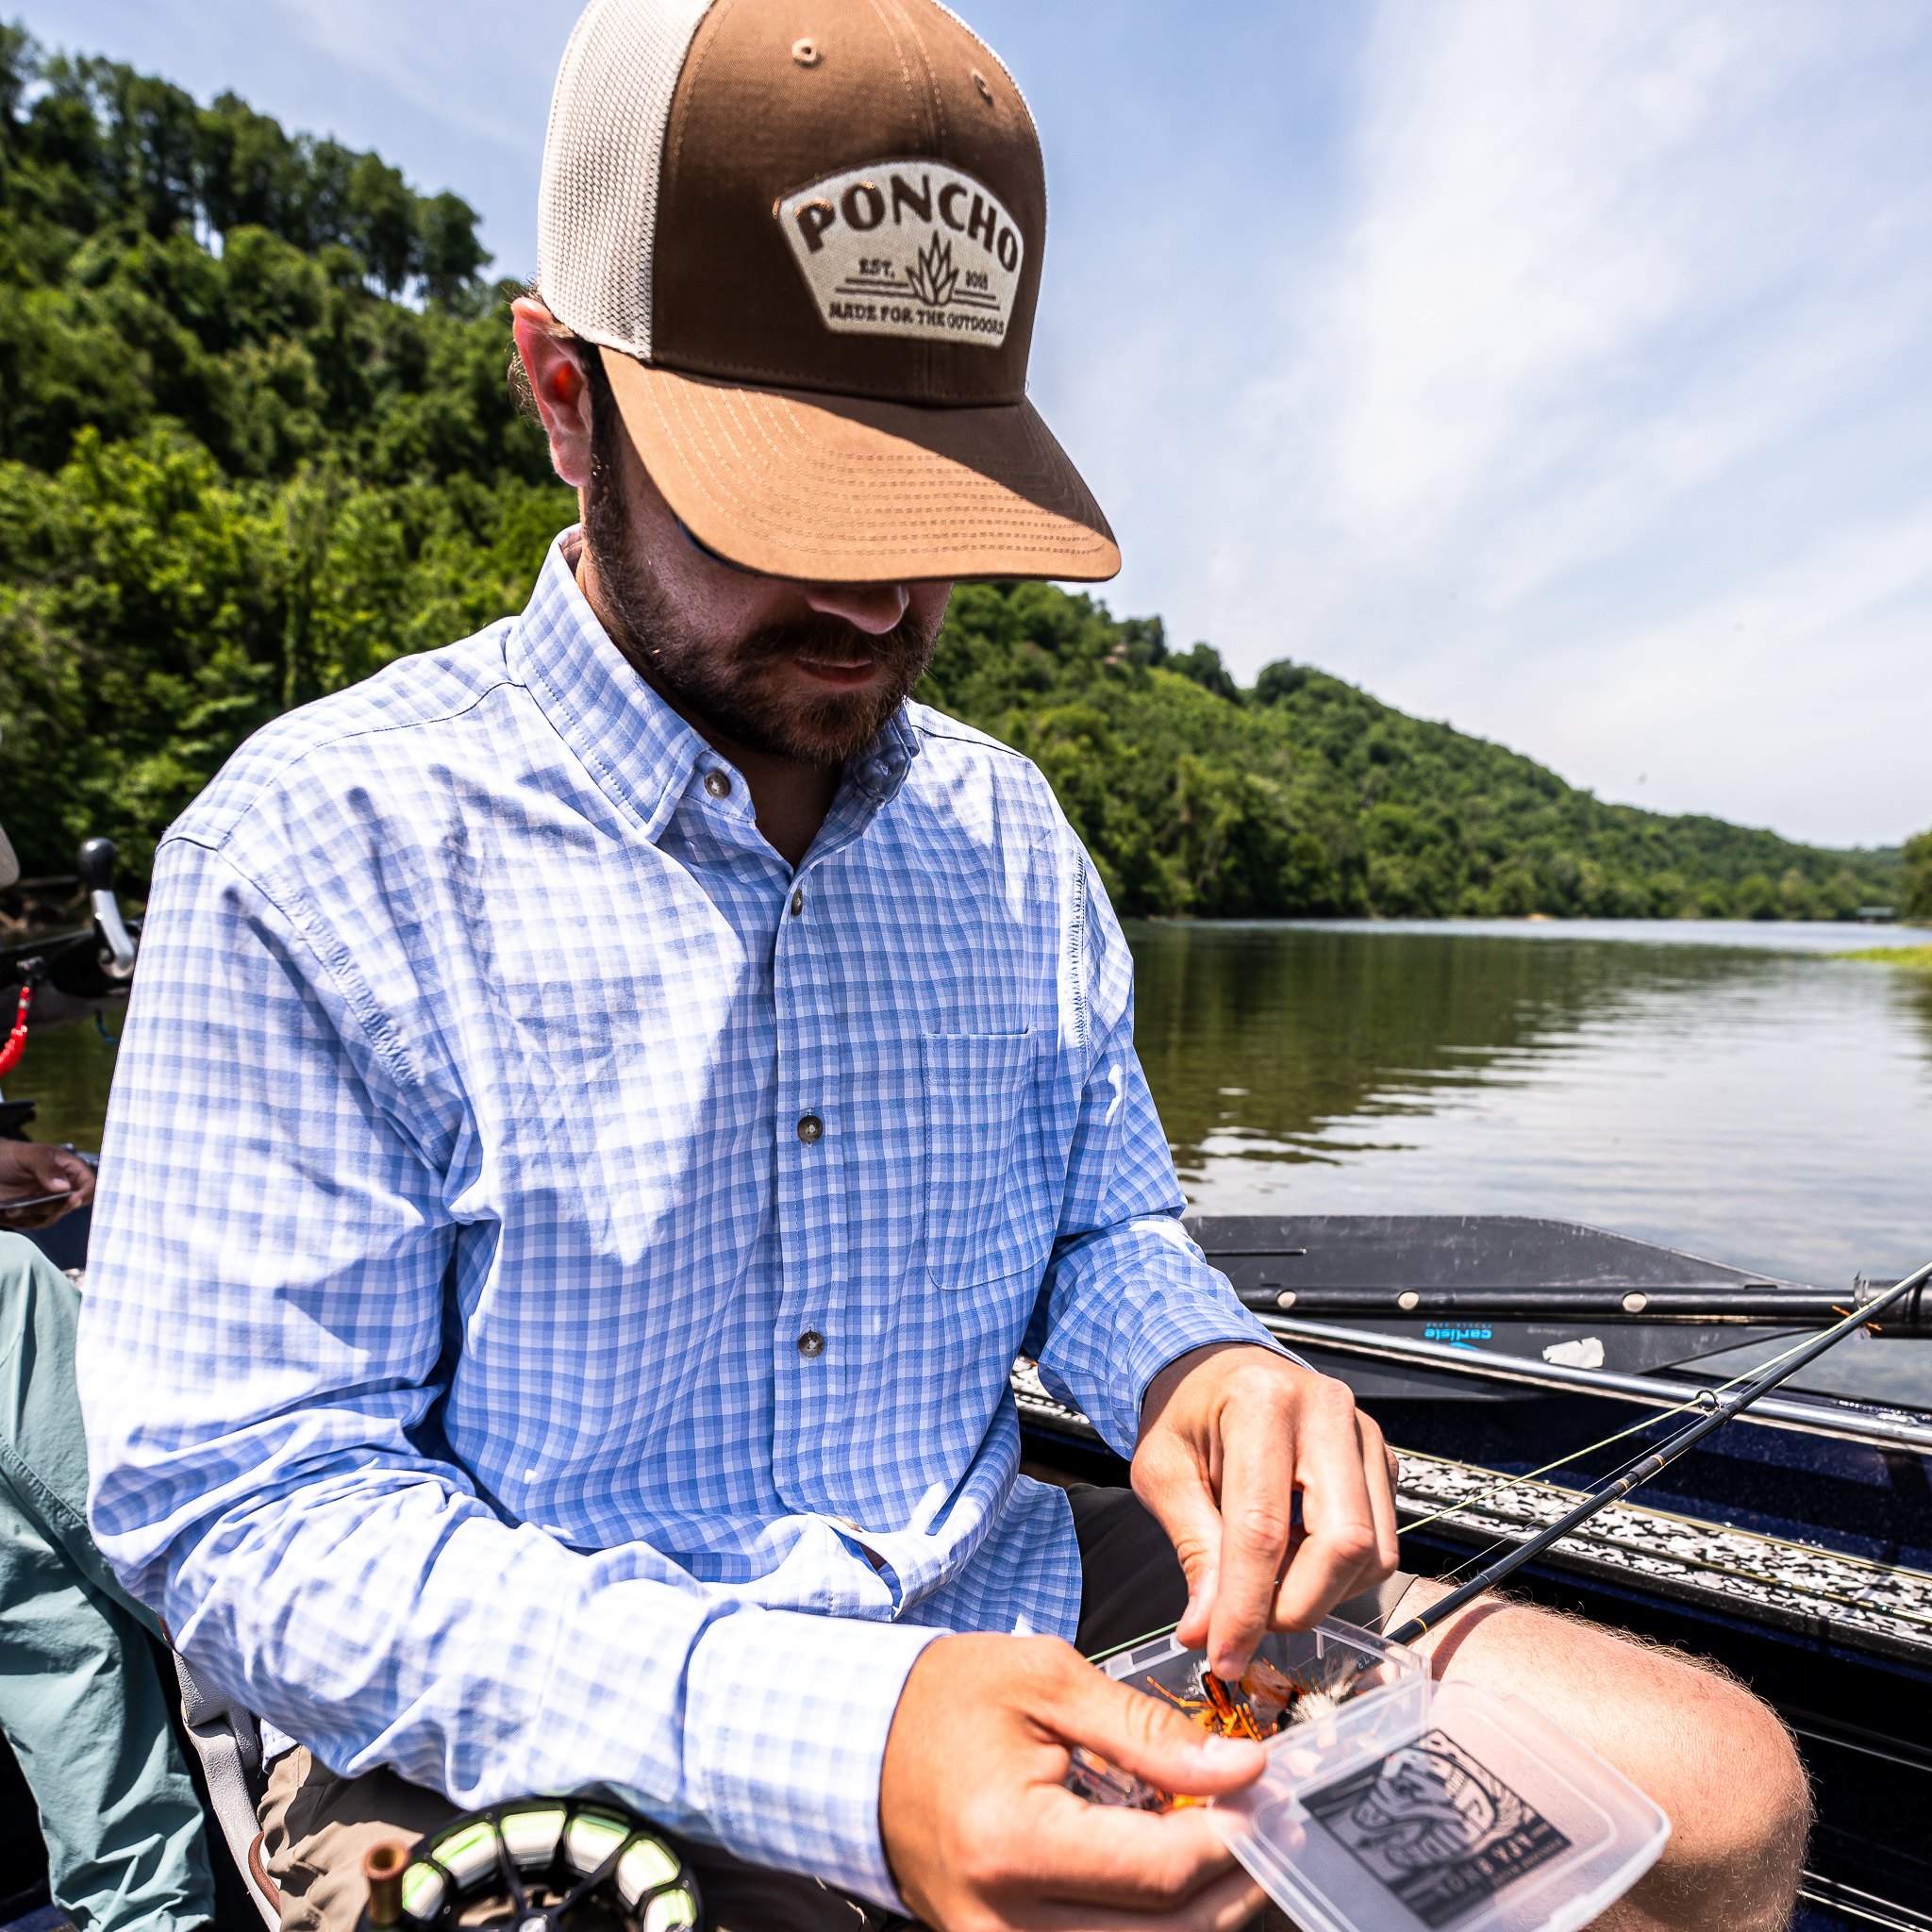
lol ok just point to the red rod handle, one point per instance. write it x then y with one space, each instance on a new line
16 1040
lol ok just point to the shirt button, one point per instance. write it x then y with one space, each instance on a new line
809 1128
718 783
811 1344
797 901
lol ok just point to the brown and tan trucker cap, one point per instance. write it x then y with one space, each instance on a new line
807 235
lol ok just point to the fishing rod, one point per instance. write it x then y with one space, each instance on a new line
1613 1303
1660 1459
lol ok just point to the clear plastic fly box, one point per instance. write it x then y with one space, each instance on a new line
1472 1813
1296 1677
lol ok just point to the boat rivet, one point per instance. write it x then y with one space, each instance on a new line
1408 1299
1285 1299
1636 1303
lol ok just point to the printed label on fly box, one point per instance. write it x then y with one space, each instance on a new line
1435 1827
1485 1818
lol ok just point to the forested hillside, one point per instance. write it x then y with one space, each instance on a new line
239 469
1307 796
255 442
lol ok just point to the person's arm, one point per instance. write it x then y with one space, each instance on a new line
1231 1438
1126 1292
279 1256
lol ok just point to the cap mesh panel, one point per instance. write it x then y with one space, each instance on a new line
597 214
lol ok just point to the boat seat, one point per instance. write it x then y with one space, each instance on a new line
226 1738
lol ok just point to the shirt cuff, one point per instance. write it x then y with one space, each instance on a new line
785 1739
1137 1298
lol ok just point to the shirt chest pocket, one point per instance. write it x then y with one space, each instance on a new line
984 1210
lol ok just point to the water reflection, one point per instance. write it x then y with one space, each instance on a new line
66 1073
1770 1109
1913 992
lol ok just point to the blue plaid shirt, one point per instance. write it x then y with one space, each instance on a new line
556 1267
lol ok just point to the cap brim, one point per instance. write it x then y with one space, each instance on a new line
845 490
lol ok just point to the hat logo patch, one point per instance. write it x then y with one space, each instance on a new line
915 249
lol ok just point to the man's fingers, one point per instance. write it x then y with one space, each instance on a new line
1175 1486
1229 1439
1379 1472
1342 1550
1089 1856
981 1831
1257 1494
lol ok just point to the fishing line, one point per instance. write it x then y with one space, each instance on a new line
1701 1400
1705 1399
1100 1656
1660 1459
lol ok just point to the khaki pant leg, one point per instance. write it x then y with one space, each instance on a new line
316 1826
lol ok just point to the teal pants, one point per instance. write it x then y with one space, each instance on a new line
81 1700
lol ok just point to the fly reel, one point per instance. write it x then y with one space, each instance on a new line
534 1865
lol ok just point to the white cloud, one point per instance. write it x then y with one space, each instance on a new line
484 67
1621 327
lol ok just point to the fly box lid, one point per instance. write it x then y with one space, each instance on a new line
1483 1816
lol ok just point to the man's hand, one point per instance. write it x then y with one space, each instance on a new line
1230 1436
28 1169
981 1834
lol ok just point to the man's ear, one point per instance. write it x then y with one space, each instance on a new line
555 374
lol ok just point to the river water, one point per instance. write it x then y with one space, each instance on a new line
1733 1090
1729 1088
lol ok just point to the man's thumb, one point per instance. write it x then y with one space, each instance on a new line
1155 1741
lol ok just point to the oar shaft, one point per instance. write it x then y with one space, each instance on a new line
1659 1458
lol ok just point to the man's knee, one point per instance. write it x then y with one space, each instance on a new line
1713 1755
1738 1800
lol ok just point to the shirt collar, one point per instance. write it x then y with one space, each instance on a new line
638 748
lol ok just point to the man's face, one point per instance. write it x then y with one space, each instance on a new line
798 671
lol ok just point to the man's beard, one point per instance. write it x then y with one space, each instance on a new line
728 684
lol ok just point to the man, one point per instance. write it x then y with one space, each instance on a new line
605 1104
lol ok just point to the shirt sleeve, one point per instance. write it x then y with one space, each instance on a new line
279 1247
1127 1291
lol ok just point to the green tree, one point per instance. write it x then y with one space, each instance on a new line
230 479
1918 876
1203 666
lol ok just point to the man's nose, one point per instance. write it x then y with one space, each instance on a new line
874 608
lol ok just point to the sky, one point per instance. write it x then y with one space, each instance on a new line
1558 368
